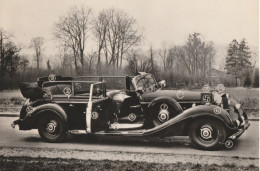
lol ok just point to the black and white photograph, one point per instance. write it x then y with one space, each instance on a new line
129 85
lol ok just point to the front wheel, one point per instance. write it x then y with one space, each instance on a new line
52 128
207 134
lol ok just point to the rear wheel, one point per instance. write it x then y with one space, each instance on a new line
52 128
207 134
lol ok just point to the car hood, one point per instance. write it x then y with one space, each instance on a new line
178 95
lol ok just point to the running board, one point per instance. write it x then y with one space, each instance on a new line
118 126
118 132
121 129
78 131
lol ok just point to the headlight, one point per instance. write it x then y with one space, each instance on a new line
237 106
217 98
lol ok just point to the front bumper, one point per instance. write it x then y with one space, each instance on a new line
240 131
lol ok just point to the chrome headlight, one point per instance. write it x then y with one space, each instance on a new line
237 106
227 95
217 98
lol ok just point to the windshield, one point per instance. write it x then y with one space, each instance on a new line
145 83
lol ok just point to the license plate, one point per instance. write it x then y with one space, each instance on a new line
206 97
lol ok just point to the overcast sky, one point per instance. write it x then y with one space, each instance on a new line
219 21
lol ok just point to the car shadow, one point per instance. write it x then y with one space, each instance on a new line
177 142
129 141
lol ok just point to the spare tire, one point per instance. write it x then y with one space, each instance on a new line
161 110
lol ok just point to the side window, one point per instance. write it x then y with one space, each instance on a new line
81 88
132 87
58 88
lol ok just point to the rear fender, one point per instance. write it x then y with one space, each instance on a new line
33 116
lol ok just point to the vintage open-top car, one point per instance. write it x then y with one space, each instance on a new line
57 105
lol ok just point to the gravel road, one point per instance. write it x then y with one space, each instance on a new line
169 150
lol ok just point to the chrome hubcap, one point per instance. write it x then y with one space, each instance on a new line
163 116
206 132
51 126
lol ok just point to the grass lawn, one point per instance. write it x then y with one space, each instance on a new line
11 100
28 163
248 97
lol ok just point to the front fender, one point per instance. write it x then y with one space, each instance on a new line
210 111
179 124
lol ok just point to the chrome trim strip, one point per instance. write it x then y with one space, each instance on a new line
88 110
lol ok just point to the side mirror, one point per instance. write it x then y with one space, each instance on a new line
162 83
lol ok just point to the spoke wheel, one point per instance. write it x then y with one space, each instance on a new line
207 134
51 128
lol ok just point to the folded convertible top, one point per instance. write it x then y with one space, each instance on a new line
31 91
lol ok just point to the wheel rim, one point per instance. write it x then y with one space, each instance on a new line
207 133
51 127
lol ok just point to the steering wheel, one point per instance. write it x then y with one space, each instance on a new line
139 93
122 93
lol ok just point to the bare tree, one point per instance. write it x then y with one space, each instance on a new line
37 45
116 33
198 55
151 51
171 57
91 60
9 55
129 35
24 62
163 55
137 62
100 27
4 38
72 31
48 65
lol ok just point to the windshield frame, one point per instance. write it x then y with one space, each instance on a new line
135 81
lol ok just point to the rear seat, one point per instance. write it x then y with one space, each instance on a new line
57 89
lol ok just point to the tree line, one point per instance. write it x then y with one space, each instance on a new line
117 35
178 64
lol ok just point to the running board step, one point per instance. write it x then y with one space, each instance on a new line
118 126
78 131
118 132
